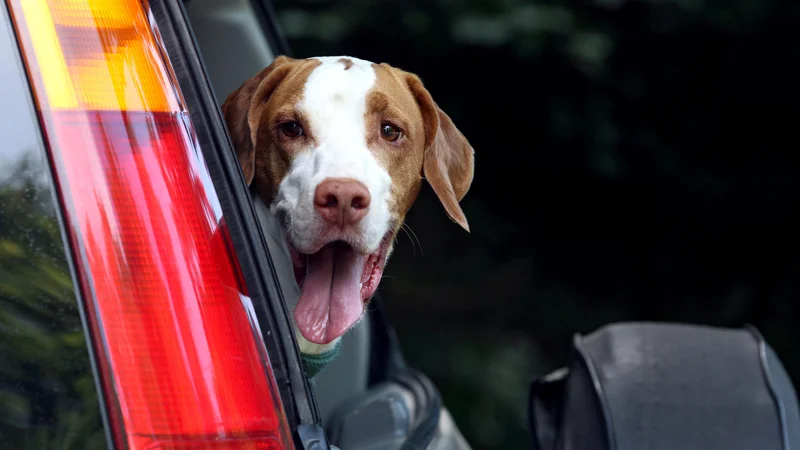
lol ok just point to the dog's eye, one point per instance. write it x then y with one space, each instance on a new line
390 132
291 129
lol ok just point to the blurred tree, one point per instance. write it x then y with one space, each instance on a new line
49 399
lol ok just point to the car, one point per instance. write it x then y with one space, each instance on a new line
141 297
143 286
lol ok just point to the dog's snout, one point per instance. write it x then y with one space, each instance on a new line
341 200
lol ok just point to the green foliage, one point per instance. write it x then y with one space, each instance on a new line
48 397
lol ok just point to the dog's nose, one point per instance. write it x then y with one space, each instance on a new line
341 200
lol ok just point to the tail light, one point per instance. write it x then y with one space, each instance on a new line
181 359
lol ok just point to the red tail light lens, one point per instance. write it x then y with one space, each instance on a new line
183 364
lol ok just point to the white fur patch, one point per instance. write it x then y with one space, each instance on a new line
334 104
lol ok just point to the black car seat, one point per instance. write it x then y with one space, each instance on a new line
663 386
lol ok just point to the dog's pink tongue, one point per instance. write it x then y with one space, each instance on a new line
331 299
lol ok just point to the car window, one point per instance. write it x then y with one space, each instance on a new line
48 397
221 24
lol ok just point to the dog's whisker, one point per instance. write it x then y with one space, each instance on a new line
413 244
287 231
413 236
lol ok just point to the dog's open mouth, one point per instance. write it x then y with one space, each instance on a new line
336 283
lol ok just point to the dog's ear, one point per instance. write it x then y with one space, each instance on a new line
449 161
243 107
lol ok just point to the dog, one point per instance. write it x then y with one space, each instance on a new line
338 147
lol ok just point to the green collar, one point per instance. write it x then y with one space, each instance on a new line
315 363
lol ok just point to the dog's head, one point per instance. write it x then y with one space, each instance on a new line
338 148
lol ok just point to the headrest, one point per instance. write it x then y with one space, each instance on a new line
651 386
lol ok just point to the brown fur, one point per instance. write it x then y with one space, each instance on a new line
390 100
348 63
448 159
252 113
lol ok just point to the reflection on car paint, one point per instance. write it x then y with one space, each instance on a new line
48 397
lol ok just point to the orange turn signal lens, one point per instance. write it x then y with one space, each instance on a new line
97 55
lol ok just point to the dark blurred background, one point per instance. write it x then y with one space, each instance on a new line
635 160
